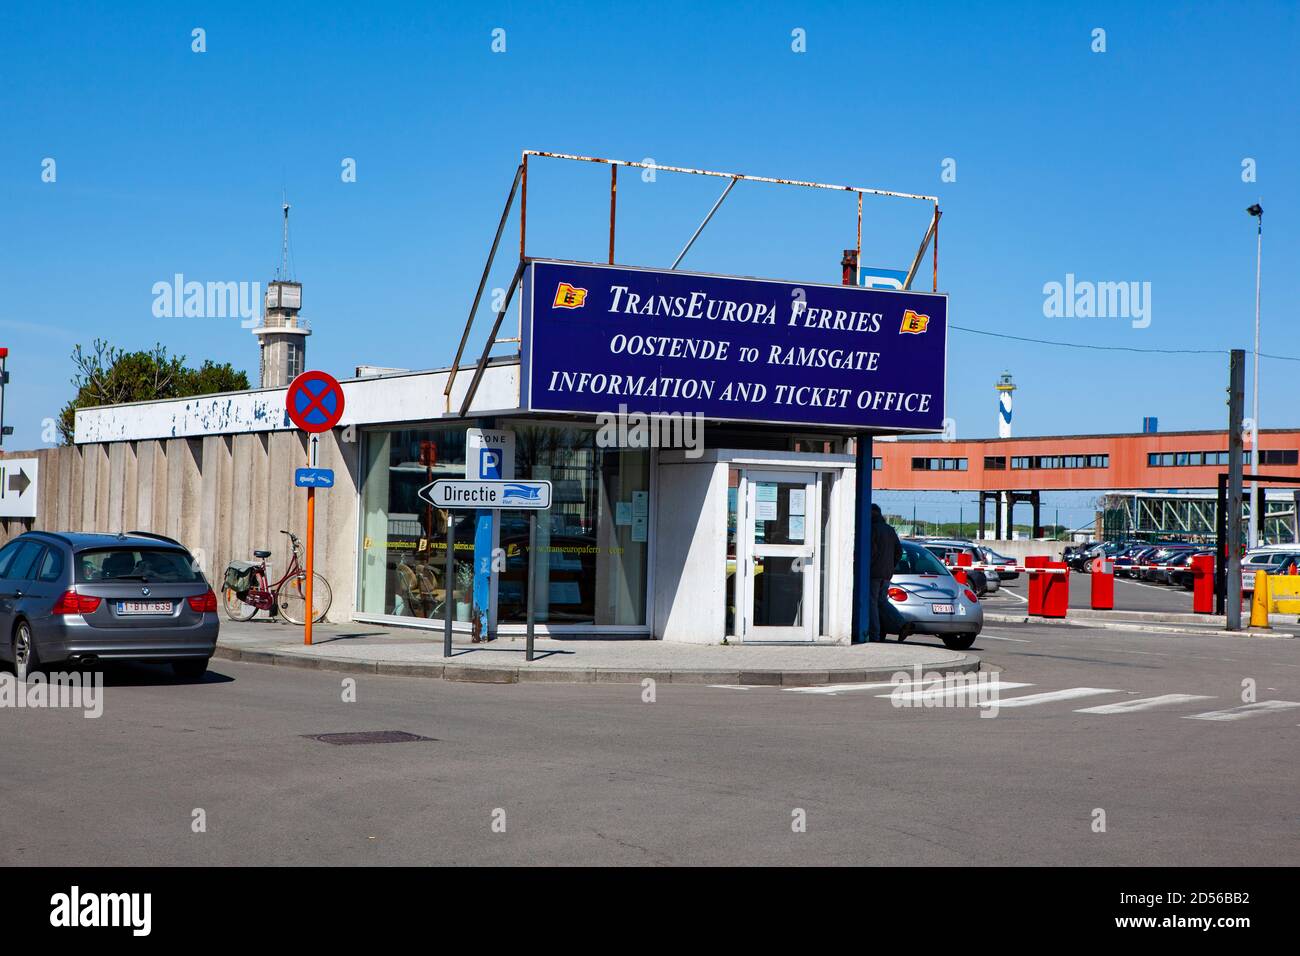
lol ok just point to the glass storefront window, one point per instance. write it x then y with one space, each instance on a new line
592 543
404 540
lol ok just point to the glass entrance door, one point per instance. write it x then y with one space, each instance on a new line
778 556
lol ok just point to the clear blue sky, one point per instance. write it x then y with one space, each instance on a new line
1115 166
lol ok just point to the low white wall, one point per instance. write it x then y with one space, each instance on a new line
1024 547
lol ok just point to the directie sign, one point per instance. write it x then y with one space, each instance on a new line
527 495
663 342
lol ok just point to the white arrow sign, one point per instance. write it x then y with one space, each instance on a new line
451 493
18 487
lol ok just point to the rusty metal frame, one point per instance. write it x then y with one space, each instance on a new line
735 177
520 175
487 346
699 229
520 185
931 233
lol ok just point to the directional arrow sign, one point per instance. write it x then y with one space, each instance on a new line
525 495
18 487
19 482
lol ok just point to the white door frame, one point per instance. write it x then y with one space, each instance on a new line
746 551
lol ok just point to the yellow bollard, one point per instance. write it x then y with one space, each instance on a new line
1260 601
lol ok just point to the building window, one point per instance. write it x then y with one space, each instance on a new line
592 543
294 360
995 462
939 464
877 464
1020 462
1278 457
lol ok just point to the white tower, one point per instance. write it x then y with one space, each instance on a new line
282 336
1005 387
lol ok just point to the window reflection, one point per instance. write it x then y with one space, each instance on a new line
592 544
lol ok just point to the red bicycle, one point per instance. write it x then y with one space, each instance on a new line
286 597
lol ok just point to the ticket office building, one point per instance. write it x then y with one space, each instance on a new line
748 538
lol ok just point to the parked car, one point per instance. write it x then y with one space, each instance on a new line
1173 562
1079 558
1125 560
1074 549
992 557
924 598
1182 575
1271 560
1162 556
941 548
91 598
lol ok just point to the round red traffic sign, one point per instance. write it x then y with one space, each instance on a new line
314 401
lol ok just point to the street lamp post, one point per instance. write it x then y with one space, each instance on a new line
1256 519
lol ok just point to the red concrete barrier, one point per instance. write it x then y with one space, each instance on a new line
1049 586
1203 584
1056 589
1103 585
1036 582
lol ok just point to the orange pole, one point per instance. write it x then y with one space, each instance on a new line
311 549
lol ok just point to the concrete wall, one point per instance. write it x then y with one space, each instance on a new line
219 495
690 553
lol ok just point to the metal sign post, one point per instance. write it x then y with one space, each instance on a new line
311 539
448 583
532 581
451 495
314 402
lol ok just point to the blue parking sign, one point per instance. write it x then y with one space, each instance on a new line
489 463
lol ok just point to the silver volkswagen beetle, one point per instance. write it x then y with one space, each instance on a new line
924 598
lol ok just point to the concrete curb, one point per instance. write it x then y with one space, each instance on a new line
1131 626
507 674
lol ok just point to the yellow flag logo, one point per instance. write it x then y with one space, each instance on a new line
569 297
914 323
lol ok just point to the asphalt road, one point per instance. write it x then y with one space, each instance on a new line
589 773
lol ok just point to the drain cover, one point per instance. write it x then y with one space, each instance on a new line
368 737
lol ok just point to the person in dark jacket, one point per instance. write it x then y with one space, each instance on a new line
886 551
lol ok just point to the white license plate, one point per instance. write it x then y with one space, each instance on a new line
144 607
941 608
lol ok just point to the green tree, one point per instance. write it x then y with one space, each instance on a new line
107 375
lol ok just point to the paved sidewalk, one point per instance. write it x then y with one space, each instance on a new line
407 652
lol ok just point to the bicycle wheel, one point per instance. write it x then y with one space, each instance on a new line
236 609
291 599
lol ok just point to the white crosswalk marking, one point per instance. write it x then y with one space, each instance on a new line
1070 693
1245 710
942 690
832 689
1143 703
